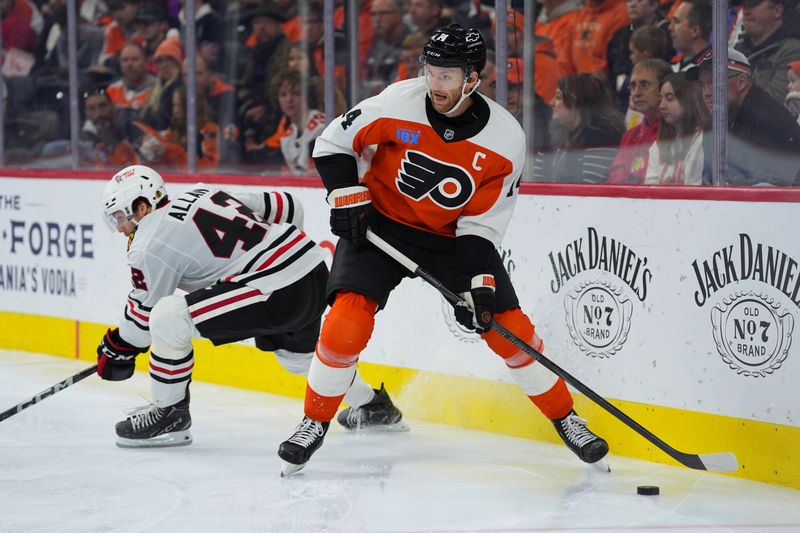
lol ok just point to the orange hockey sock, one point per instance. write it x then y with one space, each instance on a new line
556 402
345 334
546 390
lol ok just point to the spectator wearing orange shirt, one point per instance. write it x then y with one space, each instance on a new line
157 109
104 141
262 62
302 122
130 93
410 51
515 97
591 32
298 59
220 99
426 15
314 46
555 21
151 28
366 31
384 56
168 148
546 73
293 28
120 30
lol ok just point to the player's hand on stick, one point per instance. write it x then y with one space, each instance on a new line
476 311
351 213
115 357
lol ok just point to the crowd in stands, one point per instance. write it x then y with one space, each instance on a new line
622 92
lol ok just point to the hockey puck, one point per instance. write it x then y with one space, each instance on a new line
647 490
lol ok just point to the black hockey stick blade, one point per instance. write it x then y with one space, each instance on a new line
716 462
48 392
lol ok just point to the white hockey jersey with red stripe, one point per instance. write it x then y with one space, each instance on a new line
206 235
296 143
426 175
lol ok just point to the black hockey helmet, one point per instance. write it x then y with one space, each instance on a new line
455 46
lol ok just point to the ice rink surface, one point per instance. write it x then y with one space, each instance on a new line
61 472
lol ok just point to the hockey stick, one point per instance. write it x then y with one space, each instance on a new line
48 392
717 462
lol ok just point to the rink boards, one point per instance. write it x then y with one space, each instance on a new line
679 307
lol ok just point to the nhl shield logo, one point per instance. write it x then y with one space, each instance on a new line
449 134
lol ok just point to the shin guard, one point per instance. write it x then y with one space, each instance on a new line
345 334
546 390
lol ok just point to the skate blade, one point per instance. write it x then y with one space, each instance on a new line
601 465
176 438
289 469
397 427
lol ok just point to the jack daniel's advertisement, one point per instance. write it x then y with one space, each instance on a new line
755 289
599 275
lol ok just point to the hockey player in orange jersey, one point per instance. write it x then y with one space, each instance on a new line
441 187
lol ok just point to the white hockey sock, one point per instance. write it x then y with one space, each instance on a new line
171 355
164 371
534 379
294 362
329 381
359 392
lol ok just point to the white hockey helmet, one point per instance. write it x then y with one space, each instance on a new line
130 183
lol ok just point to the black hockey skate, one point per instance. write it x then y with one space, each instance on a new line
298 449
380 414
152 426
585 444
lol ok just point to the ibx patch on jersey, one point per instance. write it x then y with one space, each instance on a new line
407 136
448 186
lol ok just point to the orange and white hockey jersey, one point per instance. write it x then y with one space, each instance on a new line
427 172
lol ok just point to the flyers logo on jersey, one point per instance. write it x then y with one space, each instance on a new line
420 176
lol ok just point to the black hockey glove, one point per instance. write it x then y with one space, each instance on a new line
351 213
478 307
115 357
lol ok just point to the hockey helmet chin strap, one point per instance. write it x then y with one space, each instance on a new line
464 95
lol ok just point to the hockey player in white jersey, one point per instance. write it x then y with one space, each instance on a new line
249 271
441 187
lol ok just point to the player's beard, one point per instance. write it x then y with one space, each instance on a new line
443 106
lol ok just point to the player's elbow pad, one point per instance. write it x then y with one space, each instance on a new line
337 170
